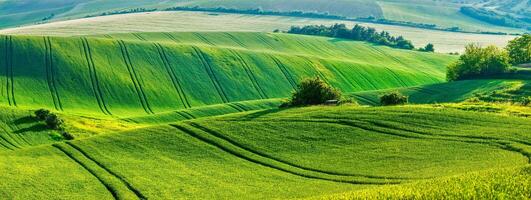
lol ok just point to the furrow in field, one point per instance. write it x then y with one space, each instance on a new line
6 67
233 142
134 78
251 75
236 107
50 74
175 81
235 39
108 36
244 154
171 37
121 178
397 78
9 72
94 77
204 39
285 71
185 114
114 184
138 36
367 100
7 142
201 56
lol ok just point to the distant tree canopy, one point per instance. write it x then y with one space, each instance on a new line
428 48
477 62
359 33
519 50
495 18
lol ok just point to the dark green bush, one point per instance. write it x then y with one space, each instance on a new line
313 91
53 121
393 98
42 114
477 62
67 135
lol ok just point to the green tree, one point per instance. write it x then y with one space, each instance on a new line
520 50
393 98
429 48
313 91
478 61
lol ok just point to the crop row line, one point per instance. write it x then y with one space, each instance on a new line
235 39
94 77
251 75
211 74
285 71
228 145
10 88
139 36
50 74
176 83
171 37
204 39
134 78
185 114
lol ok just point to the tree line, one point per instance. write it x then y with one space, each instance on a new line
358 33
478 62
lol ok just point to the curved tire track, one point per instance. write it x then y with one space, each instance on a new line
94 77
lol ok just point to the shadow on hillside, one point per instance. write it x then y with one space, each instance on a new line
25 120
258 114
34 128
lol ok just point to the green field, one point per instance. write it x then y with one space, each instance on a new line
295 153
148 73
199 21
193 105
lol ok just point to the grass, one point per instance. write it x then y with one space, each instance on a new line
150 73
200 21
497 90
313 152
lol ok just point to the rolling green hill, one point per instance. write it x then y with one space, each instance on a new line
148 73
292 153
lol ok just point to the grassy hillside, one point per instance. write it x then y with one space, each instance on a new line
199 22
306 152
502 90
148 73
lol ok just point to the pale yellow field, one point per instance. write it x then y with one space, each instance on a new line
200 21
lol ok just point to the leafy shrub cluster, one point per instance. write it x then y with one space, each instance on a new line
428 48
359 33
258 11
393 98
313 91
519 50
53 122
477 62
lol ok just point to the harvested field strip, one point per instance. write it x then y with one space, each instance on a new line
175 81
262 158
251 75
211 74
50 74
10 88
134 78
116 186
285 71
94 78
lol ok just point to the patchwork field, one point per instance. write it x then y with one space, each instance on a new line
199 21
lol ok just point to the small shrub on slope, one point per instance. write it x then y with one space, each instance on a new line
393 98
42 114
313 91
53 121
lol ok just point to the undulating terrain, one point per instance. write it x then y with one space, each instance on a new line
193 105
